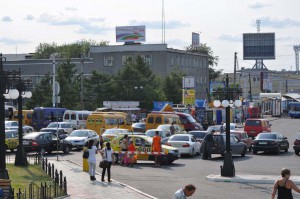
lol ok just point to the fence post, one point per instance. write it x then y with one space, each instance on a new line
60 178
49 169
65 185
53 174
19 193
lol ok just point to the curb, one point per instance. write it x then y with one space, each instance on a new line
255 179
125 185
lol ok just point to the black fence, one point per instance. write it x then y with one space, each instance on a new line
55 188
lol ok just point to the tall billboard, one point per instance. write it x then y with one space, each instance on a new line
259 46
195 39
130 33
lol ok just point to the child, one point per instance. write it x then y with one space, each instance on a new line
131 149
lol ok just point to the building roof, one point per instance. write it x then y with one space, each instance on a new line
294 96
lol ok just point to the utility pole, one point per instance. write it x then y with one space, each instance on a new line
234 73
250 91
81 82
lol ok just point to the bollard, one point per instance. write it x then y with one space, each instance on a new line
85 164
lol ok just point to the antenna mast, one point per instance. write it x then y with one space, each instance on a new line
258 25
163 33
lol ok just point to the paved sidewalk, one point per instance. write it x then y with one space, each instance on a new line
255 179
80 186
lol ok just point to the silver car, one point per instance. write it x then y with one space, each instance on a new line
79 138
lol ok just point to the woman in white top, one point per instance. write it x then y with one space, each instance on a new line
92 158
107 154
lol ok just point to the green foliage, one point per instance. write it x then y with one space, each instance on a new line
69 85
173 86
42 94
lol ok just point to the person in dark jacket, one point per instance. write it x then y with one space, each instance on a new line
208 142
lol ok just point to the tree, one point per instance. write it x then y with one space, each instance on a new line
42 94
173 86
69 83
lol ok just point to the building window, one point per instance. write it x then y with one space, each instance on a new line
147 59
172 60
108 60
125 58
177 60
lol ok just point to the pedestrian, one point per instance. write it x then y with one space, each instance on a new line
222 128
284 186
107 153
131 149
156 146
101 141
208 142
172 129
124 149
185 192
205 125
92 159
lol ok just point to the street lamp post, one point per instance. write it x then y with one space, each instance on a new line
228 169
21 86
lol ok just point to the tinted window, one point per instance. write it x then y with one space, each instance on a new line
266 136
150 120
253 123
67 116
158 120
198 134
179 138
73 116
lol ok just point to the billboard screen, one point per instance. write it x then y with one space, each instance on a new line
259 46
130 33
195 39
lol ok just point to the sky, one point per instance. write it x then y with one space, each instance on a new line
220 23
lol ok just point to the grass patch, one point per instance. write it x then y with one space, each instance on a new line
21 176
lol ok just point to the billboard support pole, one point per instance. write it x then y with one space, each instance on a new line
259 65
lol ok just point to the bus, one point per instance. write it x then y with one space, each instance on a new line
26 117
294 109
42 116
77 118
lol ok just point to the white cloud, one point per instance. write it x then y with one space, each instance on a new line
11 41
259 5
279 23
6 19
29 18
71 9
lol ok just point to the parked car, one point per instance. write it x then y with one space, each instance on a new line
185 143
233 126
14 125
162 133
139 127
254 126
11 140
80 137
214 127
243 136
110 134
58 132
144 144
43 142
166 127
236 146
297 144
65 126
270 142
199 135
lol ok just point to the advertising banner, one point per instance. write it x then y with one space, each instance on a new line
189 96
130 33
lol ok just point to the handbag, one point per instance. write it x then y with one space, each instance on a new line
104 163
86 154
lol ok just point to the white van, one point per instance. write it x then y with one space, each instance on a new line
76 117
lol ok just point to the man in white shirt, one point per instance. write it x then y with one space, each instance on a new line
185 192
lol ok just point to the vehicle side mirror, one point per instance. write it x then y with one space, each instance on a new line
285 138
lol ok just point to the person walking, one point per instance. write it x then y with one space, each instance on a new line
185 192
92 159
101 142
222 129
131 149
124 147
284 186
107 153
208 142
172 129
156 146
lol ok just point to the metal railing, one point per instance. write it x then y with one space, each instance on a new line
55 188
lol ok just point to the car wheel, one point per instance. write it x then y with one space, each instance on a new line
170 161
193 153
67 149
254 152
244 152
250 148
278 150
42 151
297 152
286 149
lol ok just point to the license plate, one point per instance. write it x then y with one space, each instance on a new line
25 142
262 142
252 132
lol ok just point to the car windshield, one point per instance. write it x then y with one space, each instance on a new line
52 125
163 127
30 135
191 119
11 134
139 125
266 136
114 131
252 123
79 134
179 138
198 134
150 133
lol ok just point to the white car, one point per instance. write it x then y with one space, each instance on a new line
162 134
67 127
166 127
14 125
185 143
79 138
